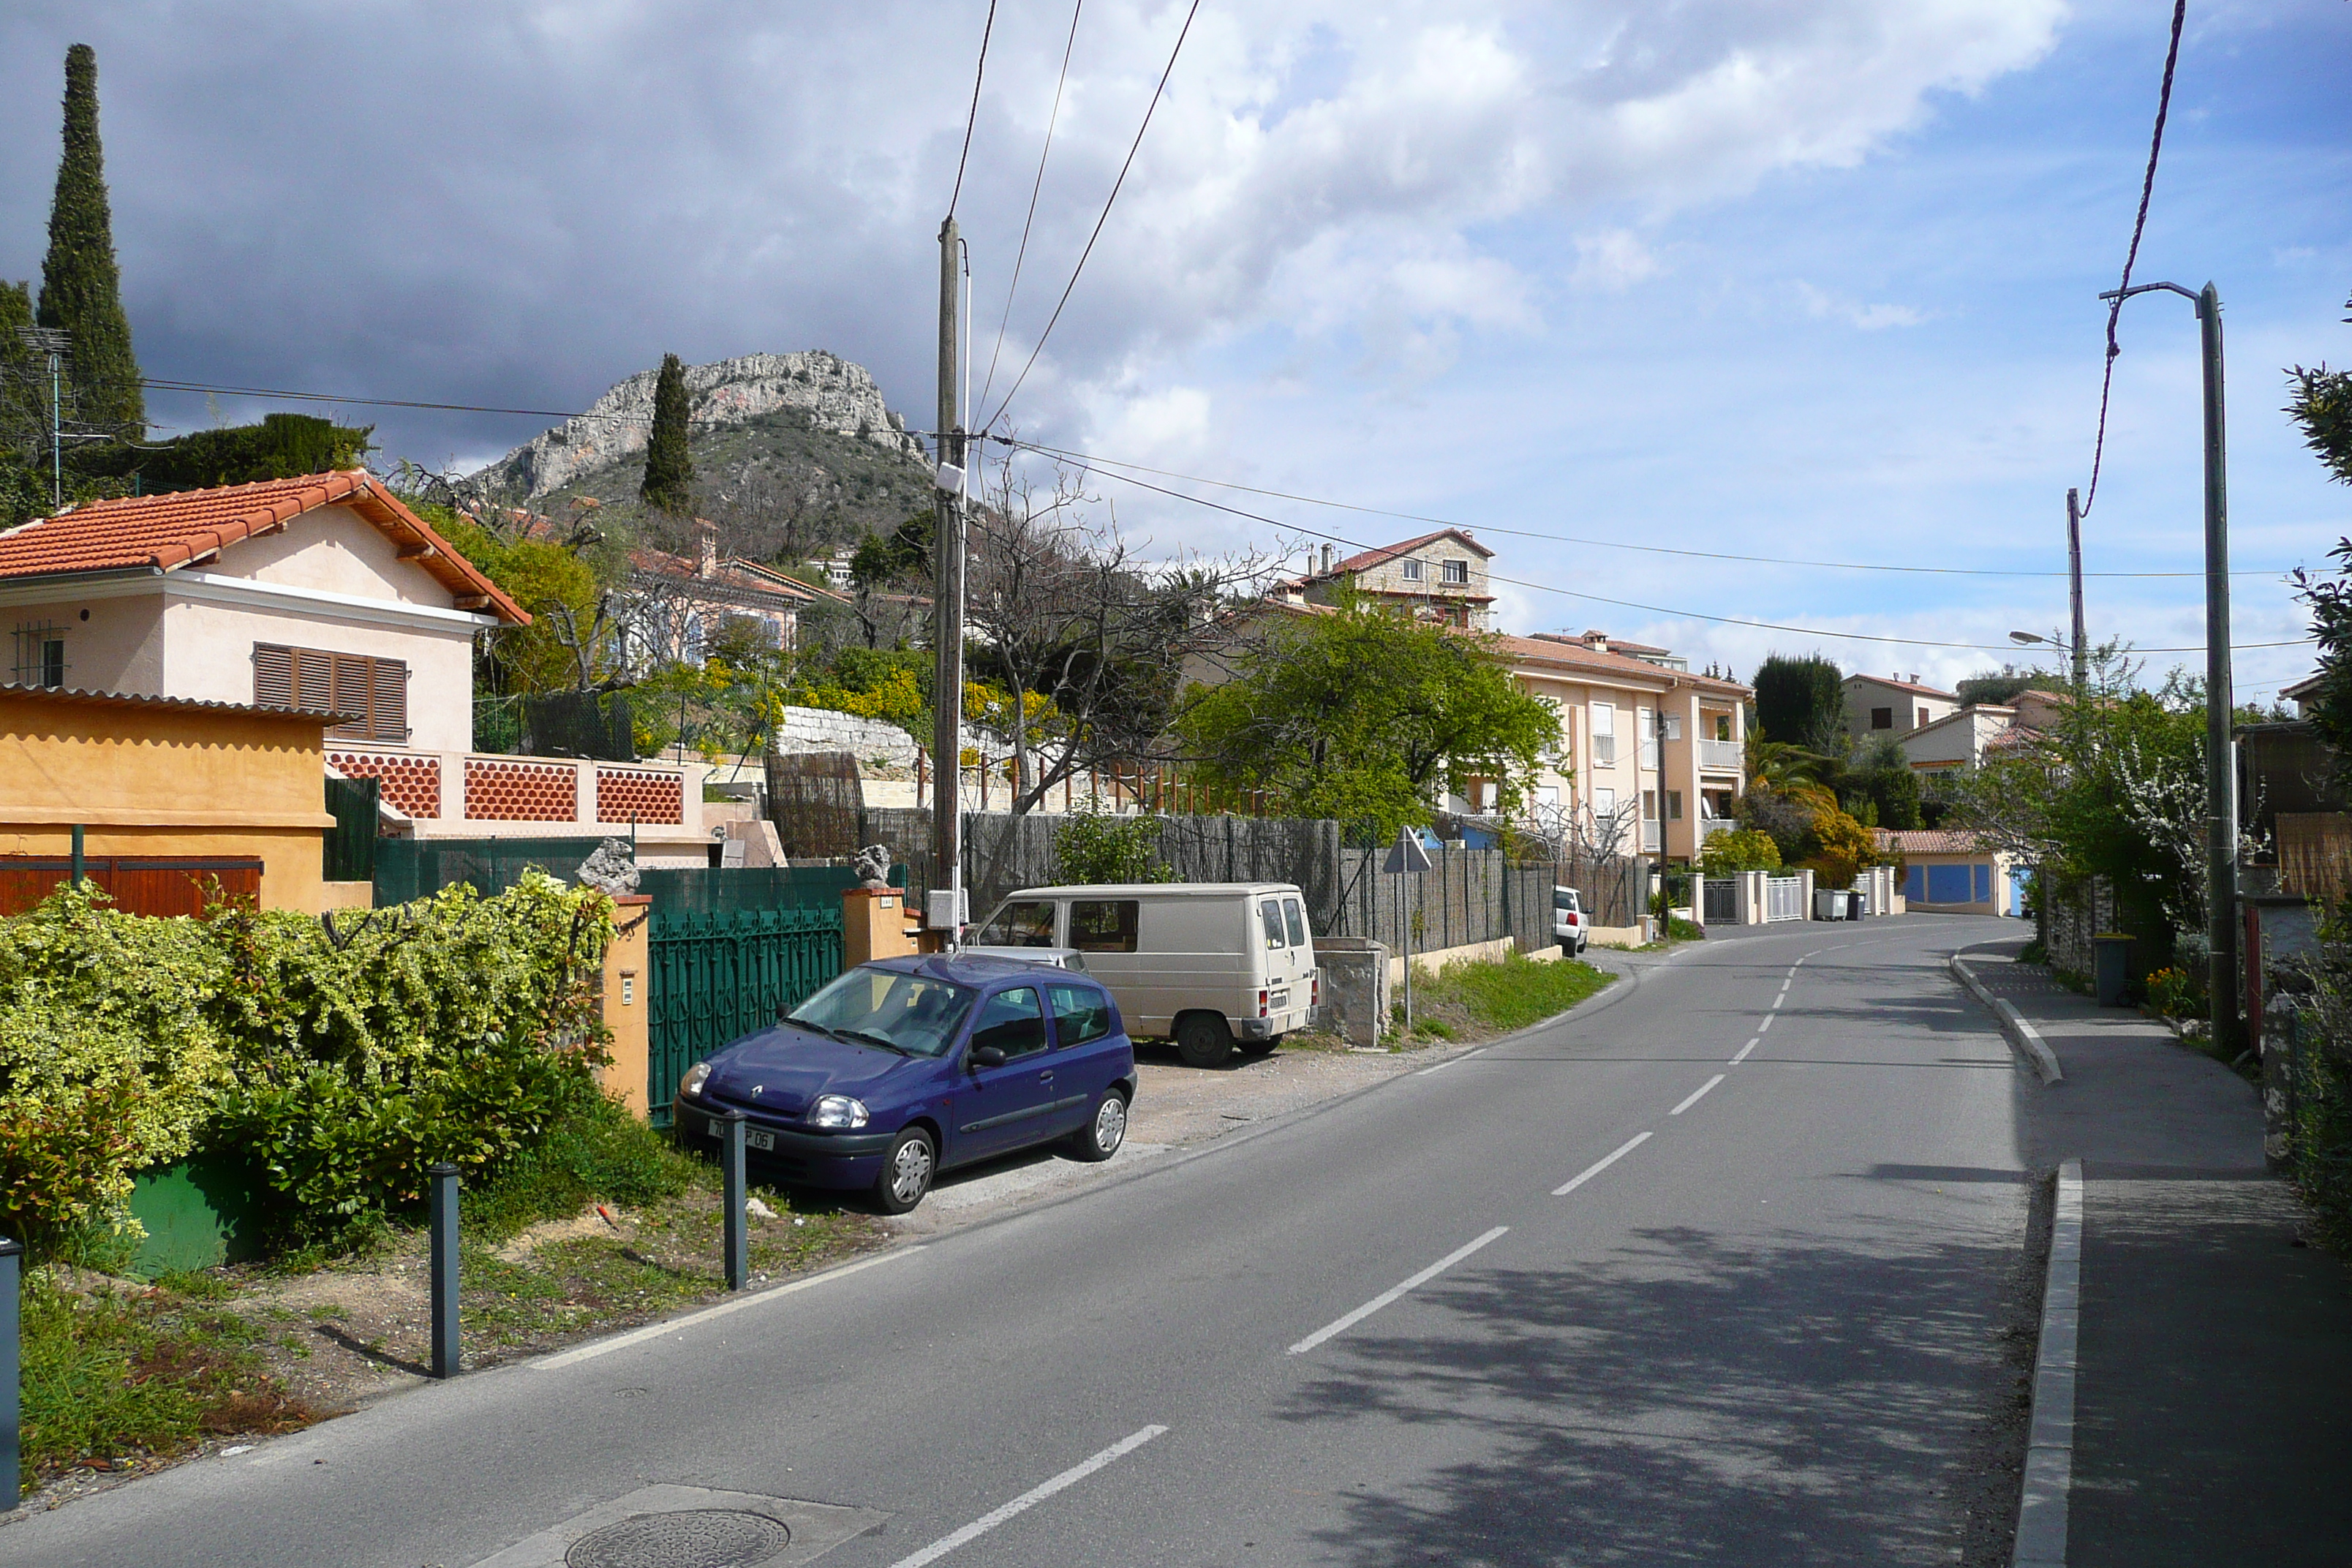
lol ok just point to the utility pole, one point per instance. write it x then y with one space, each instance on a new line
2220 706
2074 583
947 604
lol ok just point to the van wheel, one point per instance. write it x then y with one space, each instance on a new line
1204 1041
1260 1048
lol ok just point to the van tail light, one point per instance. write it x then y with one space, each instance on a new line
1314 990
1261 1003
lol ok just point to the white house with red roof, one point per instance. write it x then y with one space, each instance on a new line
321 593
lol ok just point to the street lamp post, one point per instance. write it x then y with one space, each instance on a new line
2221 775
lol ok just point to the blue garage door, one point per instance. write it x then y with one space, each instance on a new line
1915 884
1947 884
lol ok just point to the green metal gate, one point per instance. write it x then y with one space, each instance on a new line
719 976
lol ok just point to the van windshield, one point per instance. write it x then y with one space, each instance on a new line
1018 922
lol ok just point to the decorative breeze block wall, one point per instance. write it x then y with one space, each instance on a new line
627 794
411 784
520 792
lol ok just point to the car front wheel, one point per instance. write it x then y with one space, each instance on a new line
907 1172
1105 1130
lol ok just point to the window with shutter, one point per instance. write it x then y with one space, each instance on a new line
320 680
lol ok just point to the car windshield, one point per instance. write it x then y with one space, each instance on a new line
907 1013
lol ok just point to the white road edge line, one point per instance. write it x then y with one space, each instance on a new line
1030 1499
1385 1297
1601 1165
2041 1504
1449 1061
1697 1095
673 1325
1743 1052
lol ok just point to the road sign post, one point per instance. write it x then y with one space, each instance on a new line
1407 858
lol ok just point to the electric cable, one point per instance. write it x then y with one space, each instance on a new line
1021 251
978 72
1092 460
1101 218
1635 604
2139 225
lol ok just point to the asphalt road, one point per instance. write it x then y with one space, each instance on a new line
1765 1333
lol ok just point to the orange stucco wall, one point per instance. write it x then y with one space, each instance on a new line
163 782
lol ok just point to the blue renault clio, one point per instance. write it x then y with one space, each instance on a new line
907 1067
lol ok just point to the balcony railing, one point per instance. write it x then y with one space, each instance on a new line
1709 826
1720 756
462 793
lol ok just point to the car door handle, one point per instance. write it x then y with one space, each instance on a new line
1046 1076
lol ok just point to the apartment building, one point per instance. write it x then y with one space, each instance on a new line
1646 747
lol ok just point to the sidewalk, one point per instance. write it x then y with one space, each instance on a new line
2212 1425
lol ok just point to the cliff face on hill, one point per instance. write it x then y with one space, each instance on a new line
832 394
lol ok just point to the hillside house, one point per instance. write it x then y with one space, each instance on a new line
1889 705
1442 575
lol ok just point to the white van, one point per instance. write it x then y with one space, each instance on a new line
1207 964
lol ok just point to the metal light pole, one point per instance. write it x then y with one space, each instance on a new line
2220 772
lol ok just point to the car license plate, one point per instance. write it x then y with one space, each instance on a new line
1277 1001
753 1137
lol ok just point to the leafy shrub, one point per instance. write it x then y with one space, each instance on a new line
598 1151
1094 845
1741 849
341 1062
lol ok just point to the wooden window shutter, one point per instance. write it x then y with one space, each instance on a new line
390 711
273 676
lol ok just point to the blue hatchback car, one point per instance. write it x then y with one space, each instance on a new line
906 1066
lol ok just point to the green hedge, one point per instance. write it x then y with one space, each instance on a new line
339 1058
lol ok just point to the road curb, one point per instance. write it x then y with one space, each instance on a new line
2041 1505
2022 1036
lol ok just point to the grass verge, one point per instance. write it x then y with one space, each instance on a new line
1481 999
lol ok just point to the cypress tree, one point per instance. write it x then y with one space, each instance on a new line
81 288
669 464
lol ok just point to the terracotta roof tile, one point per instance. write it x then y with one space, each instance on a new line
1928 840
1576 654
163 533
1365 559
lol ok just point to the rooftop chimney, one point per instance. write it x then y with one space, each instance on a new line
706 541
1330 558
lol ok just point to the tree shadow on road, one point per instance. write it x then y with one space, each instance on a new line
1695 1401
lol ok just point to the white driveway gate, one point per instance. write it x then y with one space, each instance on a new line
1784 899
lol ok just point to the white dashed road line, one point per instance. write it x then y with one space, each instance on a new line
1383 1299
1030 1499
1601 1165
1765 1025
1743 1052
1696 1095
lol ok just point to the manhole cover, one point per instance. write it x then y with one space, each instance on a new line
691 1538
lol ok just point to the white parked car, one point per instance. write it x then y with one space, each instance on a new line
1569 927
1208 965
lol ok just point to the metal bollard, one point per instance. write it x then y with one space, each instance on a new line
12 1257
736 1240
448 1357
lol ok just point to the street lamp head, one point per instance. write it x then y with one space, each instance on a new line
2027 637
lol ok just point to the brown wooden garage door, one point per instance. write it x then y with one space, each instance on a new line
139 886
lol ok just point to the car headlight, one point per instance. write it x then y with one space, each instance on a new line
836 1110
696 1076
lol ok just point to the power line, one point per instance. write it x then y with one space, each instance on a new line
1021 253
1101 218
1634 603
2139 225
1107 463
979 70
163 383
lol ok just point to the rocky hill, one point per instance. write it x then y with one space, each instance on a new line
792 452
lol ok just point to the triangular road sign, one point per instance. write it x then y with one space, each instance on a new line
1406 854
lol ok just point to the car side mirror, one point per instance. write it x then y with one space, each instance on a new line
987 1056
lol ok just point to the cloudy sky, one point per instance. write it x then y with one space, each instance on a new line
1815 278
